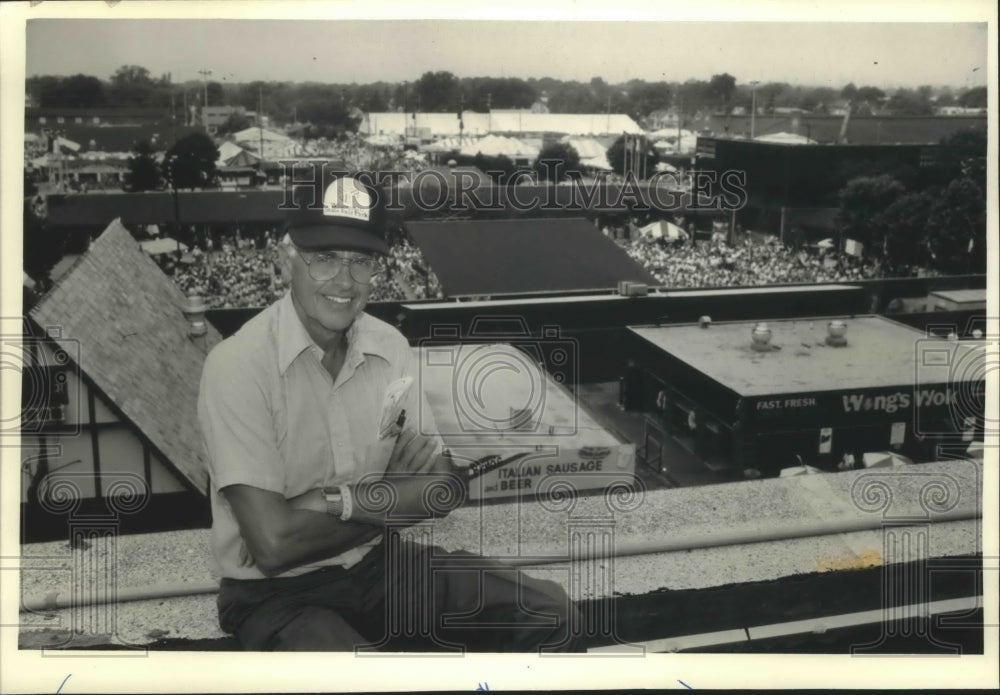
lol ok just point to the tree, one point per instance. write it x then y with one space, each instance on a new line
236 122
324 108
963 154
43 246
484 93
974 98
905 228
647 97
500 169
557 162
646 158
721 88
131 85
769 96
872 95
957 228
143 173
574 97
438 92
190 162
216 96
907 102
862 204
692 97
849 92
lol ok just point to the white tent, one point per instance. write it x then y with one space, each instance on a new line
592 153
668 139
666 230
496 145
445 145
229 151
258 134
156 247
382 140
785 139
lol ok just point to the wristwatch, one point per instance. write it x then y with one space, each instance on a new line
338 501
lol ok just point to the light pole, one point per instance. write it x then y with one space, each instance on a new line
204 74
753 107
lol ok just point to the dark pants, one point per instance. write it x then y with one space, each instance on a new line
402 597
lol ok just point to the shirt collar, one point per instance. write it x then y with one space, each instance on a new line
293 338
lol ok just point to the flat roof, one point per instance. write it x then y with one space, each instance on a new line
485 257
879 353
962 296
474 389
654 293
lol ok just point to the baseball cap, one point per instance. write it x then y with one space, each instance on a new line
336 212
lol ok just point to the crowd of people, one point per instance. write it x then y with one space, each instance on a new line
246 273
237 275
717 263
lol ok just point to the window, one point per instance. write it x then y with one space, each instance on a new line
41 119
79 119
60 119
97 119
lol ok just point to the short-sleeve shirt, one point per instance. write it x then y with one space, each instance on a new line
272 417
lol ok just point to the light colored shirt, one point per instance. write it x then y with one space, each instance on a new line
272 417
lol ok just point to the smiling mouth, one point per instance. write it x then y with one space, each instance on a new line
337 300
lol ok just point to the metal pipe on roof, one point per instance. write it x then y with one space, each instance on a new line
745 536
57 600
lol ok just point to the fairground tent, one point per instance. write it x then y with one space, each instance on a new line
785 139
663 229
496 145
156 247
666 140
592 153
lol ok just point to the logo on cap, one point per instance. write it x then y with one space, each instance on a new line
347 198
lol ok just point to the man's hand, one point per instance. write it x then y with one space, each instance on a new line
412 454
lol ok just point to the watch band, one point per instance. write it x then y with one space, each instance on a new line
347 498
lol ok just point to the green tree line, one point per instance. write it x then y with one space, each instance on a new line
323 104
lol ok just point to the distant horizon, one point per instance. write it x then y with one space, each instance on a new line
199 82
802 54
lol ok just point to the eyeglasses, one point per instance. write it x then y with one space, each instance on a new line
325 266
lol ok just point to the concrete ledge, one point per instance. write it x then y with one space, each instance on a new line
547 531
916 495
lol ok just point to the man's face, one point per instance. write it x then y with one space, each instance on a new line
326 306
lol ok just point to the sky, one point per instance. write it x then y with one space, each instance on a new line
338 51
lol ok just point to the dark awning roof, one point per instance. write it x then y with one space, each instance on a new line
204 207
492 257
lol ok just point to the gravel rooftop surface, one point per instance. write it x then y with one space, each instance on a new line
541 528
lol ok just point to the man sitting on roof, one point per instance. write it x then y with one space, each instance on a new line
310 556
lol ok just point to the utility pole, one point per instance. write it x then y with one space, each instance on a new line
260 128
753 107
204 75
